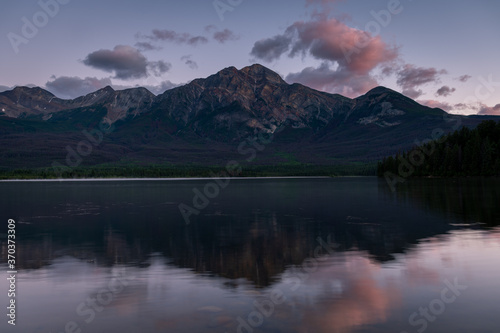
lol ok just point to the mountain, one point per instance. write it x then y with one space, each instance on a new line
233 104
23 102
212 120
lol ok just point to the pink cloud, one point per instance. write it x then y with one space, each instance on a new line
334 81
487 110
436 104
348 55
331 39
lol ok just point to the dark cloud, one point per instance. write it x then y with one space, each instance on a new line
339 81
126 62
487 110
464 78
387 71
71 87
445 91
271 49
224 36
176 37
410 77
147 46
188 61
210 28
158 68
412 93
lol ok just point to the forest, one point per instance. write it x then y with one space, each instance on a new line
465 152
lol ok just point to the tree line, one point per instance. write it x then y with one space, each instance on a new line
465 152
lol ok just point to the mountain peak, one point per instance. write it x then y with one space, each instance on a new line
259 72
107 89
31 90
380 90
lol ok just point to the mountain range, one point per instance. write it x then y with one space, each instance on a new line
213 120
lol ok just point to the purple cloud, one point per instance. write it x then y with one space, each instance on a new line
445 91
411 77
176 37
72 87
333 80
188 61
126 62
464 78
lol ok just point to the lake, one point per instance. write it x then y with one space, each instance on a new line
253 255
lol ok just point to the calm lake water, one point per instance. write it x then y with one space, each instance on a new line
263 255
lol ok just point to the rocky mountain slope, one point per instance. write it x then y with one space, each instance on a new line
206 122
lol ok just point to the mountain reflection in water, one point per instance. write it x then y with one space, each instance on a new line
391 254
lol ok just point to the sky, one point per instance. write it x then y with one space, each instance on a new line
441 53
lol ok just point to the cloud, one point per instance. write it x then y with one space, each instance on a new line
331 40
487 110
333 80
126 62
411 77
271 49
158 68
4 88
161 87
72 87
188 61
175 37
147 46
445 91
224 36
464 78
348 55
412 93
478 108
436 104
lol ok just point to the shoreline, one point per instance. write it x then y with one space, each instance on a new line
167 179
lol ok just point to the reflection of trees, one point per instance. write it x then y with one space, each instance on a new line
36 252
258 247
254 238
462 200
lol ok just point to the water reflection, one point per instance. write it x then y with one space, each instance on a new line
389 255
